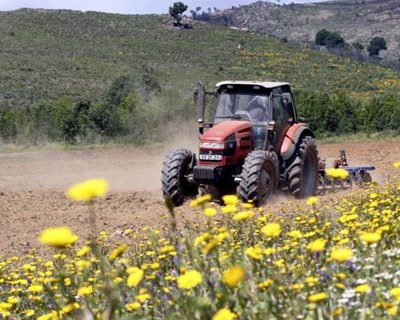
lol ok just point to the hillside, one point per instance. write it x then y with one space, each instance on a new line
47 54
356 20
73 76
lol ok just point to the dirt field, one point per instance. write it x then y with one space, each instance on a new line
32 186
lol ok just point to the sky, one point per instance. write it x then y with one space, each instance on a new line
129 6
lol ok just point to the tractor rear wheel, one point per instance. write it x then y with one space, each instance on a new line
177 166
259 177
303 172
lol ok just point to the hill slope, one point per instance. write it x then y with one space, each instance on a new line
356 20
47 54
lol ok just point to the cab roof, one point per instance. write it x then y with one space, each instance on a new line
265 84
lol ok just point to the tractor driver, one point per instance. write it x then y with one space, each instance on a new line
258 109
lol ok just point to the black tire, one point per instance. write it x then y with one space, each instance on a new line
367 178
303 171
259 177
176 167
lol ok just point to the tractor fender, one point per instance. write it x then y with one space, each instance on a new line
292 139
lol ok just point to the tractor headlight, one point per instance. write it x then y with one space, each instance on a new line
211 145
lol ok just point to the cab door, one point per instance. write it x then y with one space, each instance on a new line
282 114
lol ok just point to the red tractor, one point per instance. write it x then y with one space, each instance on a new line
253 145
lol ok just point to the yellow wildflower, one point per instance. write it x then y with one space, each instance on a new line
317 245
135 276
341 254
363 288
230 200
83 251
317 297
58 237
370 237
272 230
396 165
117 252
254 252
233 276
224 314
243 216
189 279
36 288
395 292
132 306
88 190
338 173
312 201
200 200
85 291
210 212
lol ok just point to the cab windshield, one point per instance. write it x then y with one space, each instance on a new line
241 103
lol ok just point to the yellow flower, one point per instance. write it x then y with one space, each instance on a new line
210 212
83 251
88 190
82 264
312 201
132 306
143 297
58 237
341 254
224 314
396 165
189 279
272 230
337 312
36 288
370 237
117 252
230 200
85 291
200 200
395 292
135 276
317 297
317 245
233 276
243 216
338 173
254 252
363 288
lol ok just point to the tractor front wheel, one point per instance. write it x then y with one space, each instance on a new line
303 171
259 177
177 166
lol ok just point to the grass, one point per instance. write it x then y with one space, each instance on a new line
324 259
53 53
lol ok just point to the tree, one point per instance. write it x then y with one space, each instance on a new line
376 44
329 39
176 11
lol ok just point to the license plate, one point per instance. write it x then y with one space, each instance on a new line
211 157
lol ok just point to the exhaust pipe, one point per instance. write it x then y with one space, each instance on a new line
201 92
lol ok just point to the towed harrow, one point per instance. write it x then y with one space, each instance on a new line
358 175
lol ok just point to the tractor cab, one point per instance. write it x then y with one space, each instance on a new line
268 106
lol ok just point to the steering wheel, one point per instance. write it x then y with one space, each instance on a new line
243 114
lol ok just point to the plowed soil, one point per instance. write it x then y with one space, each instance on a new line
32 187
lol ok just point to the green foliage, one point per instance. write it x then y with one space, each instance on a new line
376 45
358 46
176 11
329 39
8 124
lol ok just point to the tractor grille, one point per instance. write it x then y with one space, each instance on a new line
206 173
